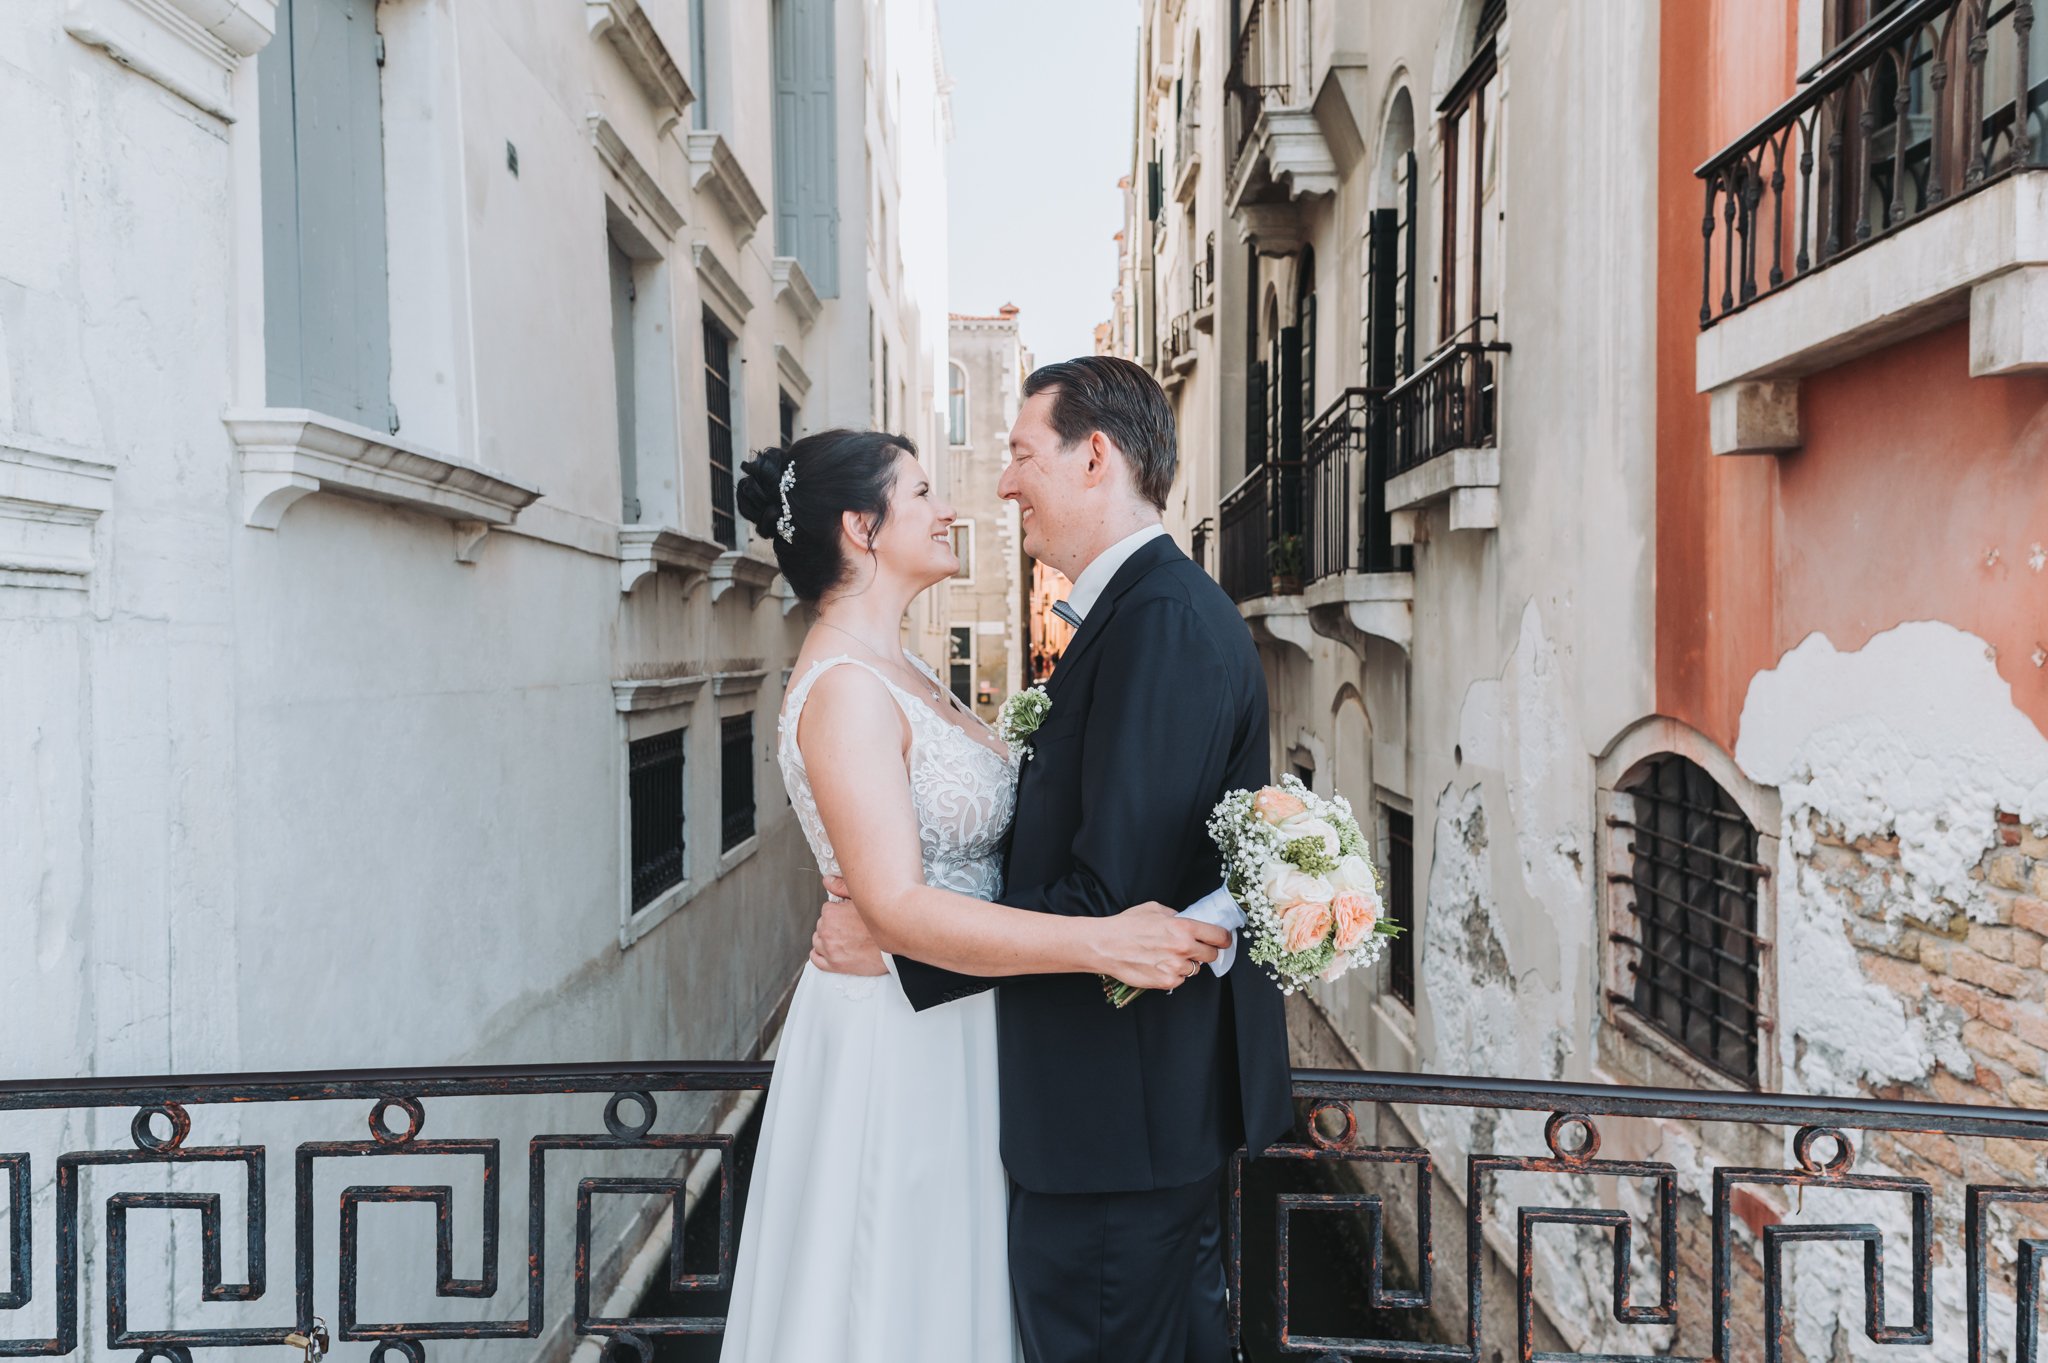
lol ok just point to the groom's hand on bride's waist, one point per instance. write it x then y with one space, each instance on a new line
841 945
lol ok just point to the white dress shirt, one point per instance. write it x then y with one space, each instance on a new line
1095 578
1216 908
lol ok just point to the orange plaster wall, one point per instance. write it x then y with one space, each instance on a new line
1723 64
1912 476
1921 494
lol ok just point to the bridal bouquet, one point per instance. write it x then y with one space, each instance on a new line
1299 868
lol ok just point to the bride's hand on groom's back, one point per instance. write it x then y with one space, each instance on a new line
1152 947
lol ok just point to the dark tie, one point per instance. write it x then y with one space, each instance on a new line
1067 613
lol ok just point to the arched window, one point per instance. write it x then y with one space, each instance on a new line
1390 252
1305 321
1691 912
956 405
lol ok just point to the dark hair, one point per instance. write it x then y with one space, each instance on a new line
836 472
1103 393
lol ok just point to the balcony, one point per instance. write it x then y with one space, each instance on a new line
1442 436
1277 150
1359 583
1202 287
1187 151
604 1203
1177 352
1896 193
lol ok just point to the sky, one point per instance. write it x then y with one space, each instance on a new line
1041 132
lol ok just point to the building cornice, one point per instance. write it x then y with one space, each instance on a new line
639 183
190 47
639 45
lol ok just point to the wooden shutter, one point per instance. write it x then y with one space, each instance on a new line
806 138
327 314
623 361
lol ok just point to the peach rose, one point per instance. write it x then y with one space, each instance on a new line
1275 805
1356 915
1304 926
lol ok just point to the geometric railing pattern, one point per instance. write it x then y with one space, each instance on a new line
1967 1215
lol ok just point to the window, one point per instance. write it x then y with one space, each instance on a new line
736 780
956 405
806 141
960 662
1400 902
1691 915
623 298
1467 115
882 399
326 294
655 789
1390 253
787 415
963 549
700 69
1305 323
718 416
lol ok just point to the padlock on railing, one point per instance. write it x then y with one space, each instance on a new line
313 1341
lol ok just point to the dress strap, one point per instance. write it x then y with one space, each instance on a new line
792 707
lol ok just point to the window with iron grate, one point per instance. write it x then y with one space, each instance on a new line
1693 893
655 788
736 780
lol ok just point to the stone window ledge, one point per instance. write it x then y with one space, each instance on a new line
712 160
794 286
1280 620
632 696
50 504
744 569
287 453
1352 607
1468 479
1984 257
645 550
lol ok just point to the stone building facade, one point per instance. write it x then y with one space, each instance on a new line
987 600
1700 749
385 677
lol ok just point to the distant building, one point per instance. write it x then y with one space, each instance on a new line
985 602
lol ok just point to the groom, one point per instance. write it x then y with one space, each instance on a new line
1118 1125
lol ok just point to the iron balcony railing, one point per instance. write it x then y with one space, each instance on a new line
1187 130
1179 341
1265 523
1349 529
1202 277
1257 71
1335 1239
1921 107
1449 403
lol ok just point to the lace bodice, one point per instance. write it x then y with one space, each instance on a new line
964 791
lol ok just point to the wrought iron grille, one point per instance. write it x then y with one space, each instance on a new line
1694 881
1202 278
1349 529
735 780
1258 68
1915 111
718 409
1400 893
1188 126
1448 404
1245 543
1180 340
656 788
1722 1233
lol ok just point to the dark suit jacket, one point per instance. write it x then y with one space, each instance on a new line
1158 711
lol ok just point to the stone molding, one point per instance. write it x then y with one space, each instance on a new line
739 568
646 192
738 683
1468 479
289 452
712 160
1279 620
632 697
794 376
647 549
794 286
719 281
190 47
639 45
1352 607
50 505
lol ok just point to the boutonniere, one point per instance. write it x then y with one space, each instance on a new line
1020 717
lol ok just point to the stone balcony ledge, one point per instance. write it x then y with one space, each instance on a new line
647 549
1352 607
1468 479
1279 620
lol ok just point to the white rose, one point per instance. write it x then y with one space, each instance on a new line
1309 826
1354 873
1285 886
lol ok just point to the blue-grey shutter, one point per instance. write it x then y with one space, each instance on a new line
622 369
806 141
327 315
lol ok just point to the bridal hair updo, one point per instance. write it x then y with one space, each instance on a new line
836 472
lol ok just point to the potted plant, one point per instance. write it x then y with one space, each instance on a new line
1283 561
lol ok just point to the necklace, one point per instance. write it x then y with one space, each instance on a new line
925 683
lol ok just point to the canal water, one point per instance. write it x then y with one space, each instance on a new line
1329 1292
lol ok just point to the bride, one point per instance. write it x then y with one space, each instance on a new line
875 1223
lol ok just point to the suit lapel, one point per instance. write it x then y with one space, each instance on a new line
1149 556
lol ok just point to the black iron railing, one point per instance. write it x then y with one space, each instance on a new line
1202 278
1349 529
1447 404
1257 70
1265 525
1187 130
1179 340
1918 109
1718 1283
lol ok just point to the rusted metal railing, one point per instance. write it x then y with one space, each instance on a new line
1925 1181
1920 108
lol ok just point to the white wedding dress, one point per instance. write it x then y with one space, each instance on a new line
875 1229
